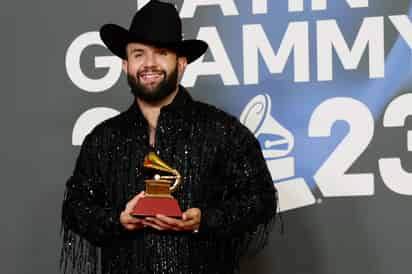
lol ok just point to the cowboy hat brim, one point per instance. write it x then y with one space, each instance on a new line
116 39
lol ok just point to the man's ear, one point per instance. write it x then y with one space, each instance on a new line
125 65
181 64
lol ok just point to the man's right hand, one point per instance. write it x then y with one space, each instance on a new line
128 221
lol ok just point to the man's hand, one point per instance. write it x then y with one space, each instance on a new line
190 221
128 221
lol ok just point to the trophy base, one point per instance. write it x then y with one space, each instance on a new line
150 206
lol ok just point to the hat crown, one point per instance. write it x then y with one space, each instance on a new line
149 25
157 23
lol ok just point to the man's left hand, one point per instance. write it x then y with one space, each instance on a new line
190 221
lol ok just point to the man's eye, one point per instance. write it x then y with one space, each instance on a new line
163 52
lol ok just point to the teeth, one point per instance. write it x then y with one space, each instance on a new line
150 76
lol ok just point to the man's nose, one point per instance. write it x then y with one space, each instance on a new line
150 60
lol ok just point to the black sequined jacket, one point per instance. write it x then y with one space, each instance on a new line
224 174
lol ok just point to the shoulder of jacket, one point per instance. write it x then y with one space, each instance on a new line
211 111
222 119
112 126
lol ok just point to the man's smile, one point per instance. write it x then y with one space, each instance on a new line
152 76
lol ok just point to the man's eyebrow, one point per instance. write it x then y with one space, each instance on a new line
136 50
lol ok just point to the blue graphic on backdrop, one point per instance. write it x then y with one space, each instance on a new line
328 69
277 143
293 103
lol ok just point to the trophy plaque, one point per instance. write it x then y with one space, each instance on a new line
158 198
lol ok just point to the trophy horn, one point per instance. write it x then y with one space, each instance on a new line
153 161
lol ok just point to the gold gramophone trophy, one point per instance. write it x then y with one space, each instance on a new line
158 198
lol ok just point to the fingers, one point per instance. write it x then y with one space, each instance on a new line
190 224
159 224
190 219
192 213
133 226
129 222
132 203
170 221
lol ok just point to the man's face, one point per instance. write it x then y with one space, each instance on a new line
152 72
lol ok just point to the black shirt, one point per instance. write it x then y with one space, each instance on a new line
224 174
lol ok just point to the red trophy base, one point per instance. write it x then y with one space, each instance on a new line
150 206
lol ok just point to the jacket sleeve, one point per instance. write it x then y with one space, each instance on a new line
85 210
249 202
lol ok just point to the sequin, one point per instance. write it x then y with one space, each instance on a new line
224 174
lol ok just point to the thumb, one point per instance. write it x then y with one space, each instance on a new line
132 203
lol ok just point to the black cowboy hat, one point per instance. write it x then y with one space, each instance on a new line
158 24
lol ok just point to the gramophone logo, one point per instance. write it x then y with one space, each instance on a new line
277 143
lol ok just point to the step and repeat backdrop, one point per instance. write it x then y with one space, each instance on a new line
325 86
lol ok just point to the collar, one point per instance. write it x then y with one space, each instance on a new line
181 100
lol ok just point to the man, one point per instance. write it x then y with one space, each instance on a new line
227 194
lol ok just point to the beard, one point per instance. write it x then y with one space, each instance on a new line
157 93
